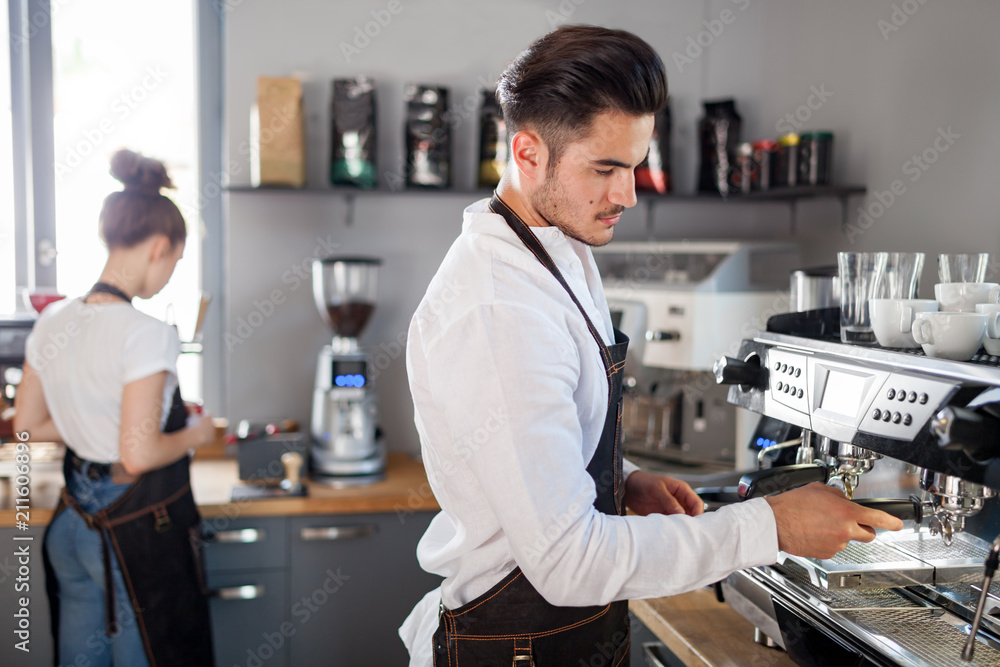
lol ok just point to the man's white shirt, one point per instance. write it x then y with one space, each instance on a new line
510 397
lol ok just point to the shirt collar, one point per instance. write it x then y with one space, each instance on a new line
479 218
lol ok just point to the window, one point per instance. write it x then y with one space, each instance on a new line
124 76
7 257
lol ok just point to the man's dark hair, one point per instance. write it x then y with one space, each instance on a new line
562 81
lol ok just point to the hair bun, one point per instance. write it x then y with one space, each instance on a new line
138 173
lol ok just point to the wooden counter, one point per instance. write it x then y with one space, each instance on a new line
704 632
405 489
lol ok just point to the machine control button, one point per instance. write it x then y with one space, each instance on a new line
784 367
891 394
901 395
923 399
798 372
777 365
886 416
896 417
787 389
912 397
877 414
799 394
907 420
781 385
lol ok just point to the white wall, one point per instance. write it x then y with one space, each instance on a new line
889 97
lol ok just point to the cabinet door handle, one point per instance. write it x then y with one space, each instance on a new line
245 536
651 651
328 533
250 592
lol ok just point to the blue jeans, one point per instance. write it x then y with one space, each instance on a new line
75 553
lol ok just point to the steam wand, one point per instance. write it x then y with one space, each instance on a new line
992 563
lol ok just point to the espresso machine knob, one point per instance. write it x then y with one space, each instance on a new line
973 432
749 374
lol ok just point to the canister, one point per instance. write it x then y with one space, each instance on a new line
765 153
786 171
814 288
815 158
743 170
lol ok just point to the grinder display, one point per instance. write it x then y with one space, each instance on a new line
347 448
924 435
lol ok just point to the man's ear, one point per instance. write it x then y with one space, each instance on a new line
530 154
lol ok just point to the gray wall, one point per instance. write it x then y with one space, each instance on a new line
888 95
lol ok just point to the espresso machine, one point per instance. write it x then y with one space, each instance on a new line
682 304
918 437
347 446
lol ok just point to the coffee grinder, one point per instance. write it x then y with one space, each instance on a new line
347 449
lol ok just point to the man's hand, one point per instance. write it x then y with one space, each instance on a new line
646 493
817 521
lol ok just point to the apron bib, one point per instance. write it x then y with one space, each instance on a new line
512 624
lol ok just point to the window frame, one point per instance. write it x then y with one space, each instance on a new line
33 145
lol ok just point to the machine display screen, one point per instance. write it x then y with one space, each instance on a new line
349 373
843 393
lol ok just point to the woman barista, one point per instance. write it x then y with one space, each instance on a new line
123 573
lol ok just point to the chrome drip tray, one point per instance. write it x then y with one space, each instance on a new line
932 636
906 558
835 600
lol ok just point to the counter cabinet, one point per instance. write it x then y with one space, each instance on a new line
305 590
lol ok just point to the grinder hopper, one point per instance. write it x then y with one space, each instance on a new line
344 290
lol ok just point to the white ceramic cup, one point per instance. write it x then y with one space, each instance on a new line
892 319
963 297
991 342
951 335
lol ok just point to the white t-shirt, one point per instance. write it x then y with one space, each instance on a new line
510 398
85 354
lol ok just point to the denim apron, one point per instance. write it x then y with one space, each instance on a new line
512 624
155 531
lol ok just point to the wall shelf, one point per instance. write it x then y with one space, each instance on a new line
790 196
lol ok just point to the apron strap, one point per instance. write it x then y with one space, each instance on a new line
99 522
529 239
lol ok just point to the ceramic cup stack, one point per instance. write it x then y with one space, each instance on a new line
992 341
968 312
896 305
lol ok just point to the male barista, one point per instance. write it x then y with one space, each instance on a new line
515 372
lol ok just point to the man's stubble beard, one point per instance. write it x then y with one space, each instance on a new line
547 199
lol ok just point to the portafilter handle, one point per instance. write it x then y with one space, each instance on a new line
780 478
905 509
735 371
971 431
992 562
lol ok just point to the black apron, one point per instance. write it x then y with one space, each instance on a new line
512 624
154 529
